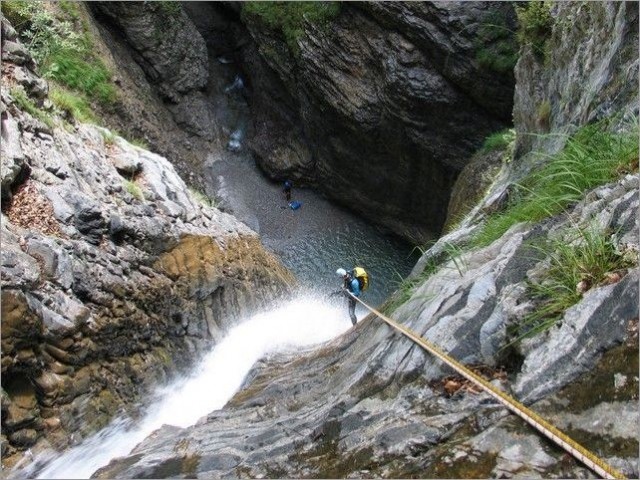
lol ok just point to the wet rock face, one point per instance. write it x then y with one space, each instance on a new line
370 404
172 55
114 277
388 98
594 52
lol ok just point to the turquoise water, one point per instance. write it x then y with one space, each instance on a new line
314 240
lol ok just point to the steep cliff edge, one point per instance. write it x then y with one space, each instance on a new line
352 99
115 276
383 97
371 404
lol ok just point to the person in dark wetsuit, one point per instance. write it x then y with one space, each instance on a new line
351 285
287 190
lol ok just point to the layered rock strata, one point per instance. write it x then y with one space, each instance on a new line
387 97
114 275
372 404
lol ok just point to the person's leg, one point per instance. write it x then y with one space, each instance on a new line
352 311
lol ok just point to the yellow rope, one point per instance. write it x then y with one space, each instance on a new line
595 463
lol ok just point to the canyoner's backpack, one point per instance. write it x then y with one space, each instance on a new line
362 276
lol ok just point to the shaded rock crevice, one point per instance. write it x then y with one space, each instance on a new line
360 110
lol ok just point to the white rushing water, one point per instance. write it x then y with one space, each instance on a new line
301 323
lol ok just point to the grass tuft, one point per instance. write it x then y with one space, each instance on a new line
202 198
586 258
139 142
109 137
86 75
592 157
289 17
498 140
23 101
134 190
75 105
406 287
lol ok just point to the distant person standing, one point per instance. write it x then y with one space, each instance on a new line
287 190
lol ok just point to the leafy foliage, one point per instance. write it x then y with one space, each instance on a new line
496 46
62 53
535 26
289 17
40 31
592 157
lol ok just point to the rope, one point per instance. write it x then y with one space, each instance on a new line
596 464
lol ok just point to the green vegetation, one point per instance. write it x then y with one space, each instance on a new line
202 198
74 105
50 31
23 101
498 140
133 189
496 46
91 78
139 142
592 157
109 137
535 26
169 8
406 287
70 9
289 17
587 258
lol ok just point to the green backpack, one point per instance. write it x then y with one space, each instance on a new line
362 276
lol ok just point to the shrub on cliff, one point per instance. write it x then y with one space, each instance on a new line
50 33
535 26
289 17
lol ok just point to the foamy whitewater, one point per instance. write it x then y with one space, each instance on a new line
301 323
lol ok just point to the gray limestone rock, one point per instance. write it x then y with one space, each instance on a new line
12 156
32 84
388 96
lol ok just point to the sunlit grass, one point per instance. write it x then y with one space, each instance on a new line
592 157
583 259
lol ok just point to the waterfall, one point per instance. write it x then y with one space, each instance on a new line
304 322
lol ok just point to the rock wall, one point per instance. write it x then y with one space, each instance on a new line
115 276
372 404
389 97
172 55
593 49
